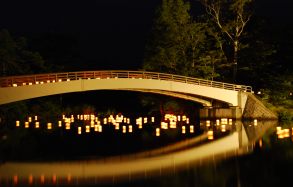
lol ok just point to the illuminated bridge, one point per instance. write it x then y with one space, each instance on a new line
202 91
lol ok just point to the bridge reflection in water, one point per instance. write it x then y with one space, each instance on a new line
171 159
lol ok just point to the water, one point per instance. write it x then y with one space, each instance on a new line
263 157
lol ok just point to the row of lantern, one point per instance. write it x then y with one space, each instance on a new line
283 133
114 120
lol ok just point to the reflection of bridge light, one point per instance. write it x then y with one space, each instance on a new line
37 82
59 123
208 123
36 118
14 85
123 129
178 118
59 80
145 120
92 124
105 121
67 126
30 179
30 119
15 179
224 121
153 119
164 125
42 179
230 121
30 83
187 120
223 128
255 122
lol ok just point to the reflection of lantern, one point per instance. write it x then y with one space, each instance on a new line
230 121
153 119
128 121
17 123
178 118
29 119
100 128
223 128
105 120
164 125
157 131
116 126
217 122
96 128
191 129
26 124
36 118
49 126
79 130
208 123
187 120
37 124
224 121
184 118
92 124
145 120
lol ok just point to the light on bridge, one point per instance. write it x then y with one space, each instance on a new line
26 124
37 124
183 129
210 135
17 123
157 131
79 130
191 129
87 129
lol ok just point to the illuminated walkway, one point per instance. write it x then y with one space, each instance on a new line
19 88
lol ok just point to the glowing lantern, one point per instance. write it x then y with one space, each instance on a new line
59 80
48 81
130 128
49 126
67 79
26 124
17 123
59 123
191 129
224 121
145 120
183 129
79 130
67 126
223 128
41 82
184 118
37 124
87 129
23 83
157 131
14 85
210 135
172 124
96 128
30 83
230 121
29 119
37 82
164 125
208 123
92 124
123 129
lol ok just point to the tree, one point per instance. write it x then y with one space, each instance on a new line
230 17
177 42
16 58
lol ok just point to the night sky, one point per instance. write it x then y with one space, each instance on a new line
105 34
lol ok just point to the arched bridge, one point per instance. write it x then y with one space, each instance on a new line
23 87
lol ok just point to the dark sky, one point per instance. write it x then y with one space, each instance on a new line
110 33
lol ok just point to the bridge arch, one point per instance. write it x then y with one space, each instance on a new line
31 86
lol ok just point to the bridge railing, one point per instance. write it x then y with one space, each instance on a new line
24 80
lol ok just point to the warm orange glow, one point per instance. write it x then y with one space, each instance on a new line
260 142
87 129
157 131
145 120
130 128
100 128
67 126
37 124
17 123
223 128
224 121
128 120
96 128
123 129
187 120
36 118
210 135
15 179
42 179
29 119
255 122
230 121
92 124
59 123
183 129
105 121
54 178
68 178
208 123
172 125
79 130
30 179
191 129
26 124
49 126
217 122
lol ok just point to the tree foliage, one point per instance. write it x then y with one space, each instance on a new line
177 42
16 58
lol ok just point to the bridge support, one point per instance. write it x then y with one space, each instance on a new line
213 113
